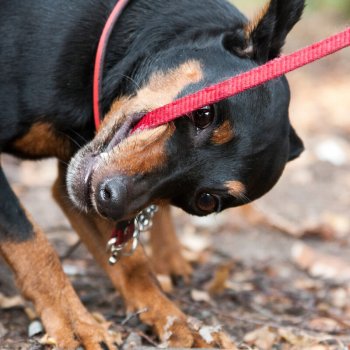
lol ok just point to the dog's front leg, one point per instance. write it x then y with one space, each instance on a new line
132 276
41 279
166 248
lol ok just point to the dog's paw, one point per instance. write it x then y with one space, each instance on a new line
192 333
176 330
85 334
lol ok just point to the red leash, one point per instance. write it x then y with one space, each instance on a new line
245 81
217 92
100 59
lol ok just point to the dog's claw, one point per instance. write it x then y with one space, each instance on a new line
104 346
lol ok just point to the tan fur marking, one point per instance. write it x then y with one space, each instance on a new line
140 153
236 188
162 88
42 141
223 134
253 24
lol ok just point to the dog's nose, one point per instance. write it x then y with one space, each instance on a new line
110 197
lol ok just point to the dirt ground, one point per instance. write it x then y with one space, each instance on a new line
279 279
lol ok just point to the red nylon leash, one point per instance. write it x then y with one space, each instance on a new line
100 58
245 81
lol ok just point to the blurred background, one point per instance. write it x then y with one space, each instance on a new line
275 275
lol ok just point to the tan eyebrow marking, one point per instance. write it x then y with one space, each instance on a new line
236 188
223 134
162 88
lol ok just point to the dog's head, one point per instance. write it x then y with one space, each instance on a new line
220 156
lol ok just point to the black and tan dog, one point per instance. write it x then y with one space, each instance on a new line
221 156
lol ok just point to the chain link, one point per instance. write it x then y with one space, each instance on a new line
142 223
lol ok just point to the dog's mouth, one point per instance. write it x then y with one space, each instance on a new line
87 162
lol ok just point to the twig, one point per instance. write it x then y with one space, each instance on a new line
70 250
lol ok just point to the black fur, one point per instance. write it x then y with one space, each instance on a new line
47 58
14 224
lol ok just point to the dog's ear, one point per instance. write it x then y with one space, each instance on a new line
264 36
296 146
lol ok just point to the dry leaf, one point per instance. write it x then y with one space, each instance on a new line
264 338
218 284
3 330
323 231
340 297
195 242
299 339
325 325
199 295
10 302
339 223
132 342
320 265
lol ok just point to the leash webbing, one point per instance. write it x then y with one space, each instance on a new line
235 85
100 59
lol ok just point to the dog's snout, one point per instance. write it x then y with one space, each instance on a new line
110 198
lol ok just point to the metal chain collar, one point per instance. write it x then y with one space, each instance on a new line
142 223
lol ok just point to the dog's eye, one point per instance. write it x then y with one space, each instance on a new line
207 202
203 117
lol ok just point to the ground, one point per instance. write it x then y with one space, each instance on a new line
277 280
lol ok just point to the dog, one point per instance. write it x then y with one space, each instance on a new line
217 157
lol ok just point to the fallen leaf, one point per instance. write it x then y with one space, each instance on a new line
3 330
340 297
319 264
132 342
199 295
324 231
332 150
218 284
207 333
11 302
195 242
299 339
339 223
263 338
325 325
